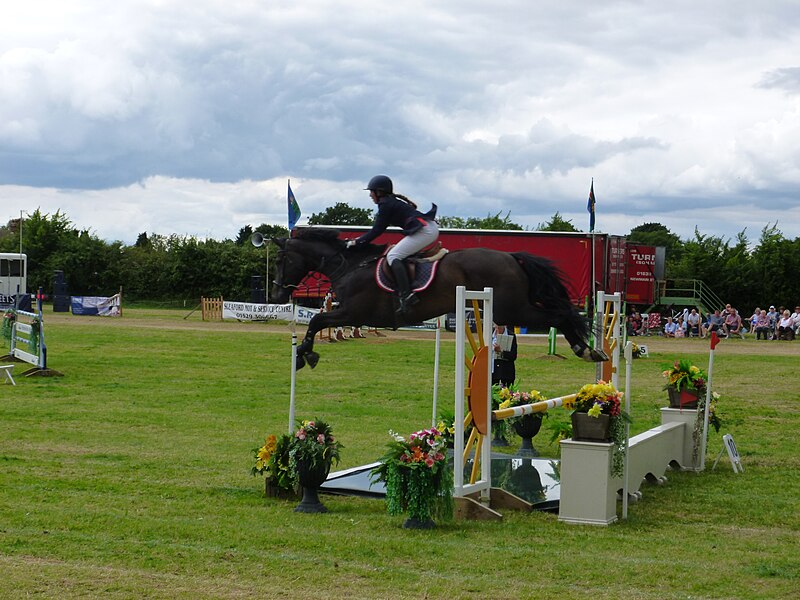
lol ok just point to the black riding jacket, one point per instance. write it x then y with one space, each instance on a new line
394 211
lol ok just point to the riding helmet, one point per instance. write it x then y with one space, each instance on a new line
380 183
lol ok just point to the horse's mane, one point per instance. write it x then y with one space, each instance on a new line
331 236
313 234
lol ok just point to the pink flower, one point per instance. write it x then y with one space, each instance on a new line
310 425
301 434
321 438
429 462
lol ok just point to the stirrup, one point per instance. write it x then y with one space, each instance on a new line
406 303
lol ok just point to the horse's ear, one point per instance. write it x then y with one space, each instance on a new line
281 242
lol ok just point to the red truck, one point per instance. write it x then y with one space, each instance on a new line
619 266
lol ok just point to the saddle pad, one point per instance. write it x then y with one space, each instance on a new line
423 277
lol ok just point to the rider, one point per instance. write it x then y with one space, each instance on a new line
420 230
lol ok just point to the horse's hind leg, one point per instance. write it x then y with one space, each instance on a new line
571 324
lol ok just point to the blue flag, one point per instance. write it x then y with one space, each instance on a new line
294 209
590 207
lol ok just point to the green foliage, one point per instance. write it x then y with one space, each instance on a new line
556 223
342 214
417 476
489 222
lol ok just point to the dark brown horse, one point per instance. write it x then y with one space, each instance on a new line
528 290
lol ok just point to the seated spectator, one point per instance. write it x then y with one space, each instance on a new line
714 323
796 320
773 322
680 330
761 325
670 327
751 322
785 330
635 323
693 323
733 324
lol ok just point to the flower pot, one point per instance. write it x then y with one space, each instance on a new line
498 438
590 429
526 427
415 523
683 398
310 478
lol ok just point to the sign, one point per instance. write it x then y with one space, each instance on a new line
96 305
733 454
247 311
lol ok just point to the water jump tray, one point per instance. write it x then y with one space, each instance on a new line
535 480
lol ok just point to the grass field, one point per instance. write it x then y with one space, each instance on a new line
129 476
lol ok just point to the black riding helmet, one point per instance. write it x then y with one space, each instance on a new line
380 183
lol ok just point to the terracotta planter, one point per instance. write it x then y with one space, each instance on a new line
590 429
683 398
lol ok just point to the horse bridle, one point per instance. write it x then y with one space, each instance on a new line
337 272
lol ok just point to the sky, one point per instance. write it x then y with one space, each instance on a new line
189 118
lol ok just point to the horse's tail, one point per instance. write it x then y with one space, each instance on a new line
548 292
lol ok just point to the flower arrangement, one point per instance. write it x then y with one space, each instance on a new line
277 459
272 460
684 376
417 476
511 396
636 350
602 398
314 444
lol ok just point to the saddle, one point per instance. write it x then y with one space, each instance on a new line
421 268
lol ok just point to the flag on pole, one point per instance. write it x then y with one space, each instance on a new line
590 207
294 208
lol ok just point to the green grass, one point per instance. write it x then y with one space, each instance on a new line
129 476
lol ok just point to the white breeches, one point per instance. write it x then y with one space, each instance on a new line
413 243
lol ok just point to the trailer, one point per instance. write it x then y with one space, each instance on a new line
588 261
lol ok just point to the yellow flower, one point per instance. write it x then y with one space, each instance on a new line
505 393
694 369
505 404
568 403
595 411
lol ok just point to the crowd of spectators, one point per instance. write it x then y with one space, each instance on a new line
774 324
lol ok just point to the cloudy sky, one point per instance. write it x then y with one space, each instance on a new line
167 116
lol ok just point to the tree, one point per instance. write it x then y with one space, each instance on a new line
342 214
489 222
556 223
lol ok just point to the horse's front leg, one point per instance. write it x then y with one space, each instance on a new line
305 351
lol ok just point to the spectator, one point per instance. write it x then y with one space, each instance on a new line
693 323
680 330
670 327
504 344
733 323
750 324
773 321
796 320
761 325
714 323
635 321
785 330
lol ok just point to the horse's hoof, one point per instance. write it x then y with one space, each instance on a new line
596 355
299 363
312 358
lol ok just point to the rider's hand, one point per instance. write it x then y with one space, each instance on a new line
350 243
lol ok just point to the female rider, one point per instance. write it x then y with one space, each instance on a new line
419 231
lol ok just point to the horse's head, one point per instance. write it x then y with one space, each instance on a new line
311 250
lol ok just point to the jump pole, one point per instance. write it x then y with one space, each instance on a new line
704 441
628 361
436 371
294 370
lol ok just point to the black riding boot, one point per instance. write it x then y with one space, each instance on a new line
407 298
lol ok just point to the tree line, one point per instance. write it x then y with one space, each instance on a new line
175 268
